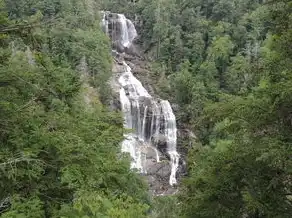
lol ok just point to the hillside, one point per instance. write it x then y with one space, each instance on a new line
202 89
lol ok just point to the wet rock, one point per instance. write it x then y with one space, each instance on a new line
118 46
160 170
138 70
117 68
151 154
175 107
128 58
132 51
115 103
158 178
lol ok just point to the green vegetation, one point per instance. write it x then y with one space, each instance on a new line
226 63
59 145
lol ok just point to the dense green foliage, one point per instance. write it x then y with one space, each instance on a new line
227 63
59 145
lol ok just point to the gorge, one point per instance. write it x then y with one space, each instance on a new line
145 108
151 119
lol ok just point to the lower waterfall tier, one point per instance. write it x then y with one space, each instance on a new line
152 121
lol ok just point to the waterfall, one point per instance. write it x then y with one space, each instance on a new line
29 56
151 121
13 49
123 29
128 30
124 33
170 135
105 23
144 123
132 33
149 118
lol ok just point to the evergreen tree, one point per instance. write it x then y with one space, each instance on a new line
60 146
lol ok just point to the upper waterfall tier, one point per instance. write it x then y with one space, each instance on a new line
120 29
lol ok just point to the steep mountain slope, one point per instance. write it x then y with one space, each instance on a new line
227 65
60 146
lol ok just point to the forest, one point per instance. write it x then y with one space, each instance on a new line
227 64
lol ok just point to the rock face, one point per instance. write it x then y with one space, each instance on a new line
152 142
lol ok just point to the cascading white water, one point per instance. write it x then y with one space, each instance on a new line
104 22
29 56
144 123
130 144
152 120
170 134
130 92
154 129
128 31
125 29
132 33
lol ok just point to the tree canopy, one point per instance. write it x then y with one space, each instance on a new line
228 66
226 63
60 145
